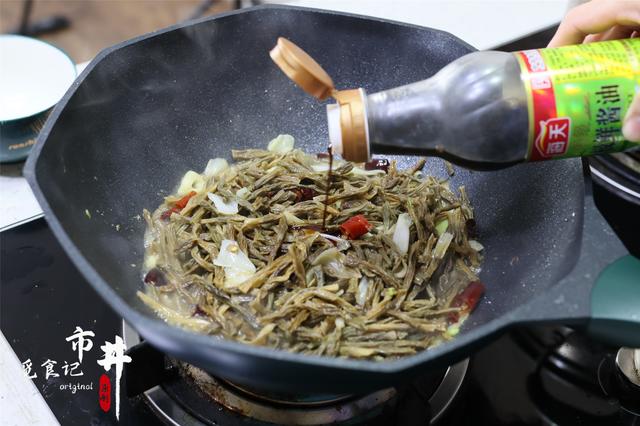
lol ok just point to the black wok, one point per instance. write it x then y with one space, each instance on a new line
147 110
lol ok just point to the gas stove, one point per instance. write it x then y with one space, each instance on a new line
530 376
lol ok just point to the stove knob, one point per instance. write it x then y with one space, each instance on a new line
628 363
626 385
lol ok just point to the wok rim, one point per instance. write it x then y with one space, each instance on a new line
194 347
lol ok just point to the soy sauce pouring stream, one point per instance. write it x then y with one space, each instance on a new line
326 194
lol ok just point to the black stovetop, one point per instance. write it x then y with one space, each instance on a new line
530 376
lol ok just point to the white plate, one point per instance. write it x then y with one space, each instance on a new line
33 76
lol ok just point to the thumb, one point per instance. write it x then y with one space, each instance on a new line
631 126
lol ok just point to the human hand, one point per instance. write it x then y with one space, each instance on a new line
600 20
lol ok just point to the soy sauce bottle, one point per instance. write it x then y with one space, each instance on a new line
486 110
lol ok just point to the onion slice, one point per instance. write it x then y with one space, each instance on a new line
363 287
237 266
320 167
243 193
442 245
215 166
282 144
401 233
329 255
357 171
191 181
475 245
331 237
223 207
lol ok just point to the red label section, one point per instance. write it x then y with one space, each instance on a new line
550 133
104 393
553 138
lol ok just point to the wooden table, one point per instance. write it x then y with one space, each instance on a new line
96 24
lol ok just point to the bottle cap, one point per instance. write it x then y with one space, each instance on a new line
349 138
302 69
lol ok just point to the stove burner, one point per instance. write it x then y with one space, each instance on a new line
284 399
268 409
194 397
577 380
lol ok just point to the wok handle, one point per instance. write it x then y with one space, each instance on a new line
615 304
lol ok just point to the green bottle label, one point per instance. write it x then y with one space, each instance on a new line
578 97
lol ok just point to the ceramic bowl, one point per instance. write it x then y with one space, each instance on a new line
33 77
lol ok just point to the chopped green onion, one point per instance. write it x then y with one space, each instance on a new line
442 226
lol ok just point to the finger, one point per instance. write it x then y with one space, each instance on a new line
595 17
631 126
592 38
618 32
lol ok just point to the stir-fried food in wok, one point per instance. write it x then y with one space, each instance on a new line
240 251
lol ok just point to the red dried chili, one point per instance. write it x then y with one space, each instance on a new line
177 206
467 299
156 278
355 227
304 194
182 202
167 213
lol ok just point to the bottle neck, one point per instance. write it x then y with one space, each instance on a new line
406 119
